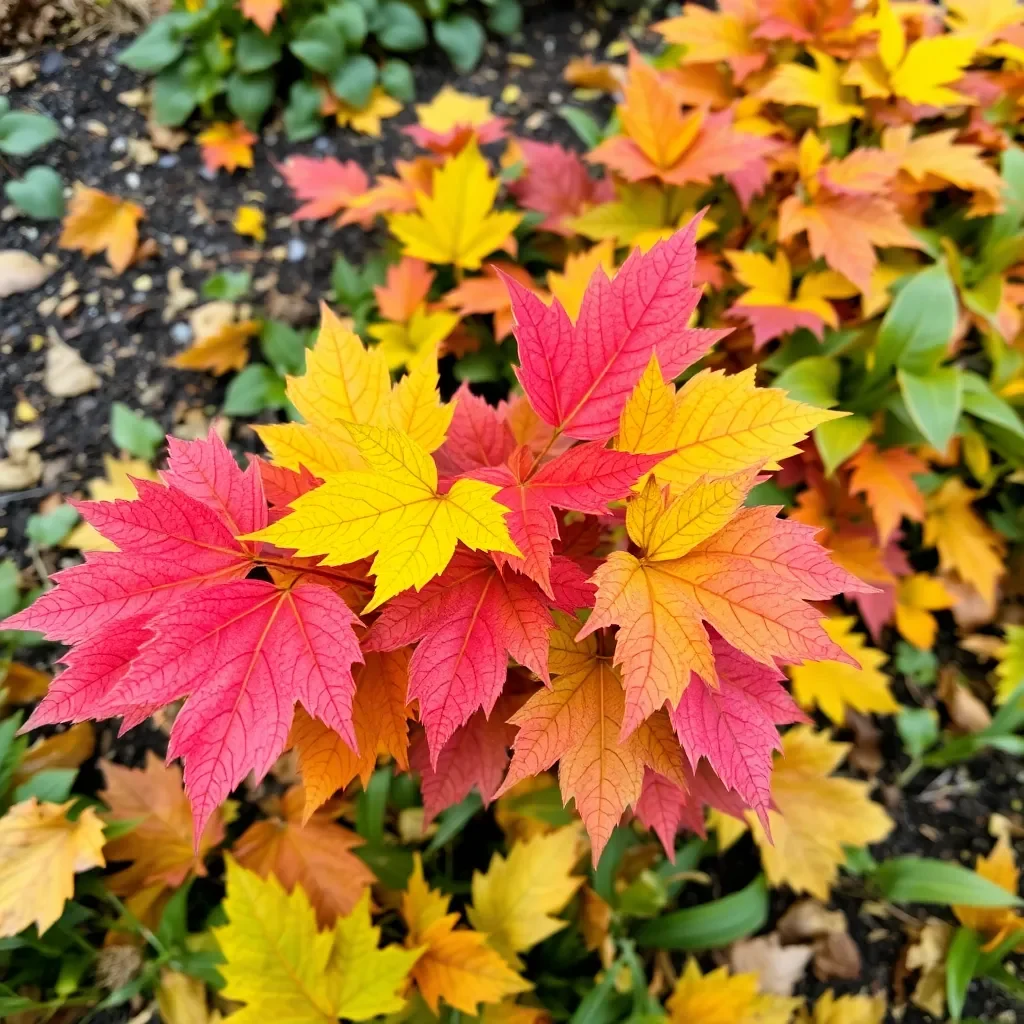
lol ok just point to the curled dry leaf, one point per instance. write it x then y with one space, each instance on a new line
779 968
20 272
67 374
927 954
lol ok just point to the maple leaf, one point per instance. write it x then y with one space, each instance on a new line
582 479
227 145
886 479
556 183
515 900
815 815
721 996
309 852
488 294
396 511
68 749
579 376
966 545
712 36
326 185
116 483
770 306
830 1009
367 119
917 596
451 119
1010 666
96 222
457 964
160 846
935 159
250 222
41 851
404 343
641 214
479 435
406 287
834 687
262 13
570 284
579 722
392 193
995 924
819 87
283 969
469 619
224 350
456 222
380 721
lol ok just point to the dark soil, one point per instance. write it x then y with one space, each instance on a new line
119 329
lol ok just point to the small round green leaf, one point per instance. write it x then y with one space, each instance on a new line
320 45
354 80
256 51
22 132
173 98
302 117
506 17
399 27
397 80
40 193
250 96
462 39
350 18
159 46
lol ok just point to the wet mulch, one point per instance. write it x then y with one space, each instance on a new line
118 325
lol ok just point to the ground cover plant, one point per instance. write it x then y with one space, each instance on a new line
616 601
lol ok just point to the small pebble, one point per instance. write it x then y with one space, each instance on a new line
132 179
322 144
119 145
143 283
51 63
181 333
168 160
207 174
296 250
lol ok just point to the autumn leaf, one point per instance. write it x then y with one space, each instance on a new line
457 964
406 287
325 185
488 294
579 722
833 686
380 720
224 350
394 511
41 851
917 596
816 815
569 285
312 853
283 969
721 996
448 122
96 222
886 479
995 924
855 1009
712 36
456 223
1010 667
966 545
115 484
935 160
368 119
820 87
515 900
227 145
392 193
421 335
250 222
262 13
160 846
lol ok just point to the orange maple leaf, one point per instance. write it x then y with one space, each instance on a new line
226 145
886 479
405 288
392 194
316 856
488 294
96 221
225 349
261 12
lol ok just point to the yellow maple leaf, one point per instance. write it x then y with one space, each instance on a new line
717 424
1010 666
723 998
97 222
403 343
515 901
569 285
816 815
830 1009
989 20
457 964
226 349
416 408
995 923
834 686
181 999
966 545
393 510
367 120
285 970
450 108
821 87
226 144
917 596
712 36
935 159
41 851
250 222
456 223
114 486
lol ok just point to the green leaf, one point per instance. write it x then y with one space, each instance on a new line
350 17
40 193
302 117
837 440
353 82
134 433
917 327
961 963
711 925
399 27
462 38
254 389
283 347
923 880
227 284
583 124
22 132
918 729
159 45
10 591
453 821
372 804
934 402
506 17
174 97
256 51
319 45
814 380
922 667
396 80
479 367
48 529
173 928
981 401
250 96
52 786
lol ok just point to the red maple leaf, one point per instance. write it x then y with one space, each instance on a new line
325 184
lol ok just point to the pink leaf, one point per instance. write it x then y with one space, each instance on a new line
326 184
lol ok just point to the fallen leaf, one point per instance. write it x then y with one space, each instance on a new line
68 749
927 954
250 222
20 272
779 969
224 350
96 221
262 12
115 485
830 1009
366 119
67 374
721 996
227 145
